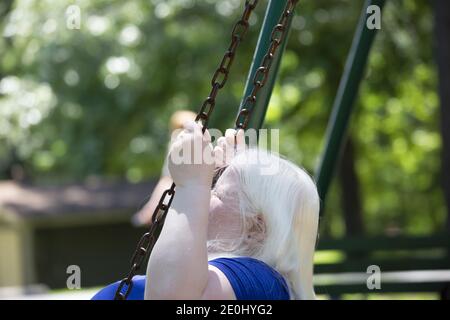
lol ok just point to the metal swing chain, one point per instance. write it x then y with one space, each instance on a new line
218 81
262 74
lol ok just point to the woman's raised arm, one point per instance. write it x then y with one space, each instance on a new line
178 265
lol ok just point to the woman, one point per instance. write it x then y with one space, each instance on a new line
252 237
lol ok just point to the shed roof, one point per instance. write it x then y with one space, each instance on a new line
27 201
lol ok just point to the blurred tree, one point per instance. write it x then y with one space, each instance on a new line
9 165
96 101
442 45
350 191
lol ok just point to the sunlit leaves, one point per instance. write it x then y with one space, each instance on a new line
96 101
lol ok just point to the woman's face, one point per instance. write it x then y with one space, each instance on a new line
224 214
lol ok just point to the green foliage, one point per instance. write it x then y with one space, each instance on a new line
96 101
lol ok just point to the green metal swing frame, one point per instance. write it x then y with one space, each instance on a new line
356 250
344 101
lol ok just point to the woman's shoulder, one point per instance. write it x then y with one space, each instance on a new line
252 279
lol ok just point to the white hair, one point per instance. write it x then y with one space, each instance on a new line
279 216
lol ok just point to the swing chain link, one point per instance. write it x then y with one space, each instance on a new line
218 81
261 75
220 76
146 243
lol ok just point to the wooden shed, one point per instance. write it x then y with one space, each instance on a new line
43 230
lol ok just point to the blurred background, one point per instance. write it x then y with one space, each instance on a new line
84 119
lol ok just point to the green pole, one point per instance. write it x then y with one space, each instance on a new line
345 98
273 13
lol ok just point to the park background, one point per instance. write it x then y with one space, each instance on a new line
91 106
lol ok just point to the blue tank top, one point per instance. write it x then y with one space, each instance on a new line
250 279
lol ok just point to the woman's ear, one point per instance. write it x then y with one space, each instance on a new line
256 229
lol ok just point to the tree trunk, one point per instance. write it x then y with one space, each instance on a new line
350 192
442 53
5 9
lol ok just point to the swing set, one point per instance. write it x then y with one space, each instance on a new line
260 83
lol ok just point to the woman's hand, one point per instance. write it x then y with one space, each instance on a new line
228 146
191 157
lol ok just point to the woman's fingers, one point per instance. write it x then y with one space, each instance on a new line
235 139
219 157
196 128
229 136
206 136
222 142
189 126
240 137
176 147
240 140
226 146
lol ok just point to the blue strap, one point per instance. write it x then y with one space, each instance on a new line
250 279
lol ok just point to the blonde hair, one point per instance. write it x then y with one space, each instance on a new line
279 215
